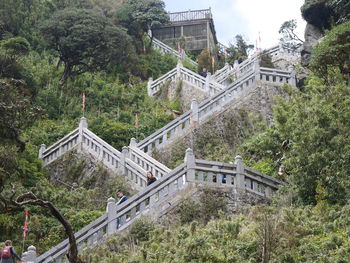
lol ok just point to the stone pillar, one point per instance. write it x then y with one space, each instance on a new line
240 178
207 81
133 142
111 211
149 87
30 255
256 68
178 69
82 125
195 113
292 81
124 155
190 163
149 32
42 150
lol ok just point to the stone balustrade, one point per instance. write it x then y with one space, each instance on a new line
183 124
131 162
144 160
207 84
163 48
60 147
164 193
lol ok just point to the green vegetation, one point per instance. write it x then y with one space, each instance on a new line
254 234
52 52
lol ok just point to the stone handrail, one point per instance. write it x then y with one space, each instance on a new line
162 47
220 75
190 15
60 147
206 84
158 197
184 123
154 86
118 162
144 160
181 125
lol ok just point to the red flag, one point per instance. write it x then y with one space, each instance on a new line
25 225
84 102
136 122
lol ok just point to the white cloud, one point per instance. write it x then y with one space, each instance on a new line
267 16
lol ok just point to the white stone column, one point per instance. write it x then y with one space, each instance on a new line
133 142
190 163
82 125
30 255
240 177
292 81
42 150
149 87
111 211
207 82
178 69
195 113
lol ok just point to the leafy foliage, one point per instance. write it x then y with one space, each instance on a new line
238 50
290 234
85 41
333 51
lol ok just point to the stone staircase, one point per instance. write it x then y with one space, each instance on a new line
134 161
185 180
248 75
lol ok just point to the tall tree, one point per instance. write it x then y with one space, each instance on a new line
140 16
85 40
289 37
238 50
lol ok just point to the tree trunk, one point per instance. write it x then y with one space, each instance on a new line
30 199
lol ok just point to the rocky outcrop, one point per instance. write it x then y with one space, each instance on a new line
321 15
312 36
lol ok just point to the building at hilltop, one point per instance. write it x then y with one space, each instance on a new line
196 28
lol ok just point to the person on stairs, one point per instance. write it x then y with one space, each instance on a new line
8 253
150 178
204 73
121 196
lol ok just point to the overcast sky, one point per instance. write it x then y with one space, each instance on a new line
246 17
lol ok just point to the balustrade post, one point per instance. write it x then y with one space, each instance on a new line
178 69
190 163
207 81
292 76
111 211
256 68
82 125
133 142
195 112
240 176
42 150
30 255
124 155
149 87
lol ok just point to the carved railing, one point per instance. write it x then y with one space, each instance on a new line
144 160
207 84
131 162
198 113
163 48
190 15
163 194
